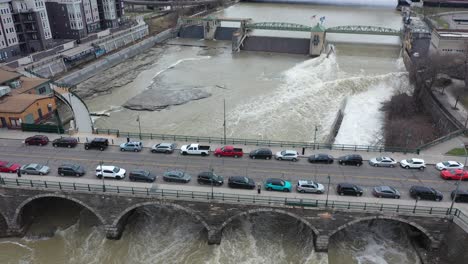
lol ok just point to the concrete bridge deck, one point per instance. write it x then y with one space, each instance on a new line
215 211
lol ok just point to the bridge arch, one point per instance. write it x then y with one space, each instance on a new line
19 209
433 242
267 210
118 220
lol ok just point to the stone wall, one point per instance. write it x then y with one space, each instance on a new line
454 246
114 59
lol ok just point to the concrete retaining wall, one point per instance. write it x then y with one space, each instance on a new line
116 58
275 44
225 33
193 31
453 247
337 123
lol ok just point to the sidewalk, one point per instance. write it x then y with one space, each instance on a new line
432 155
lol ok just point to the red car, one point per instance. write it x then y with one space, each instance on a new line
37 140
9 166
454 174
228 151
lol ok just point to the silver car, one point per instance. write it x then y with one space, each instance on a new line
131 146
164 148
287 155
34 168
309 186
383 162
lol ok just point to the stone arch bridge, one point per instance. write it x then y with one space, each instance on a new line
113 209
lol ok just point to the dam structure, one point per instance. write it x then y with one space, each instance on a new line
210 28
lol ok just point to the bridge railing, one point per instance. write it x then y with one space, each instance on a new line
255 142
231 198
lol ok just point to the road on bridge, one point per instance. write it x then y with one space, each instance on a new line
365 176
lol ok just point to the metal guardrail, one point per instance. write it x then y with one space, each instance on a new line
232 198
256 142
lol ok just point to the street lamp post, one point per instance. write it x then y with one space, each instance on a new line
459 181
212 177
102 176
224 123
315 135
328 190
139 126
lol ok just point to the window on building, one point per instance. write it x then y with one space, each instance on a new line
42 90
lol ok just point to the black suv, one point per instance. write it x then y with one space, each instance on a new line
349 189
65 142
71 170
97 143
262 153
210 178
241 182
141 175
353 159
425 193
462 196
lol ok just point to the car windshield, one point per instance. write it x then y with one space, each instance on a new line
76 167
38 166
9 164
283 152
282 183
409 160
116 169
379 159
446 163
246 180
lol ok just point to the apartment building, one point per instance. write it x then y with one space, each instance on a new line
110 12
9 46
31 25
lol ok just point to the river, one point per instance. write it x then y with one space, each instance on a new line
268 96
65 233
274 96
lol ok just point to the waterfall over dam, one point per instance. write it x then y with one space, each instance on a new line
377 3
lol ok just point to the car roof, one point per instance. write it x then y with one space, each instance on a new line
273 179
453 162
106 167
302 182
238 177
417 160
100 139
385 188
420 188
165 144
346 184
139 171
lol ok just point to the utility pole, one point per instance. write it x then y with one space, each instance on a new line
224 123
328 190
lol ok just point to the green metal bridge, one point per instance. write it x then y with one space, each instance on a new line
352 29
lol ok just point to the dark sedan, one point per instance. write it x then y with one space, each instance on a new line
176 176
141 175
66 142
386 192
37 140
71 170
241 182
321 158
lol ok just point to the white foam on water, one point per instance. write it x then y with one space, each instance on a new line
363 120
177 63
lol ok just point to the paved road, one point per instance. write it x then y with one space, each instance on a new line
259 170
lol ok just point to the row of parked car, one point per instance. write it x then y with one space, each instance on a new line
454 167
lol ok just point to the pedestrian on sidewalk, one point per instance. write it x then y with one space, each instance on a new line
259 188
18 171
128 139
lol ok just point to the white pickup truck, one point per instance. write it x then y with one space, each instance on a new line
195 149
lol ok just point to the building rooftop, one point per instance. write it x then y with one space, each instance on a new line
19 102
419 26
28 84
6 76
